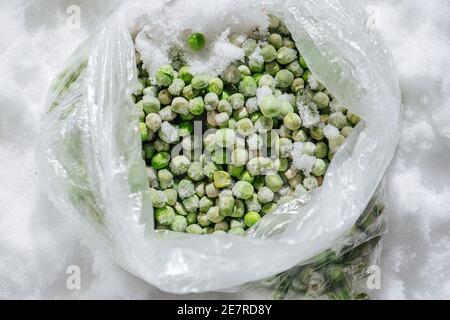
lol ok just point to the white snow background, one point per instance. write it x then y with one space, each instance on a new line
36 245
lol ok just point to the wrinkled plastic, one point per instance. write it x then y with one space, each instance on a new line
91 161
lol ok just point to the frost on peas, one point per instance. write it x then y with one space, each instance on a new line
299 136
336 143
222 119
176 87
150 104
211 191
202 220
216 86
239 157
179 165
309 148
205 204
186 189
167 114
319 168
239 114
185 129
165 215
225 106
285 147
248 86
214 215
243 190
249 47
168 133
165 75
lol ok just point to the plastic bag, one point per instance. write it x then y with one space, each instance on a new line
91 162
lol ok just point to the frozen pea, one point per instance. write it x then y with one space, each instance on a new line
322 100
247 176
268 53
256 64
292 121
194 229
153 122
179 165
274 182
216 86
266 81
338 119
225 137
321 151
164 97
223 225
226 205
200 82
202 220
196 41
237 232
214 215
189 92
237 101
165 75
165 179
268 208
195 171
353 118
249 47
248 87
225 106
185 74
286 55
167 114
239 157
346 131
191 203
310 183
309 148
222 179
243 190
317 133
265 195
176 87
191 218
285 108
319 168
143 131
211 190
231 75
211 101
295 68
245 71
209 169
185 129
185 189
205 204
196 106
219 233
253 204
150 104
165 215
276 41
158 198
240 114
299 136
179 224
336 143
171 196
222 119
272 68
239 209
200 189
284 79
161 160
281 164
297 84
270 107
251 218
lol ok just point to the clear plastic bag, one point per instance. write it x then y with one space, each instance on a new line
92 167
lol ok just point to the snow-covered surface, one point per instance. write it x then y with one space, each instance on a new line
36 246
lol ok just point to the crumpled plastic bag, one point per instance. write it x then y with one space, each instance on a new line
92 168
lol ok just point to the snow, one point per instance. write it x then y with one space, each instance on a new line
37 246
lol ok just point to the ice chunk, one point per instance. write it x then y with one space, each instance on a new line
168 133
307 110
303 162
331 132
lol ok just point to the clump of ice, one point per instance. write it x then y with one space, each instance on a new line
164 27
303 162
331 132
263 92
168 132
307 110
